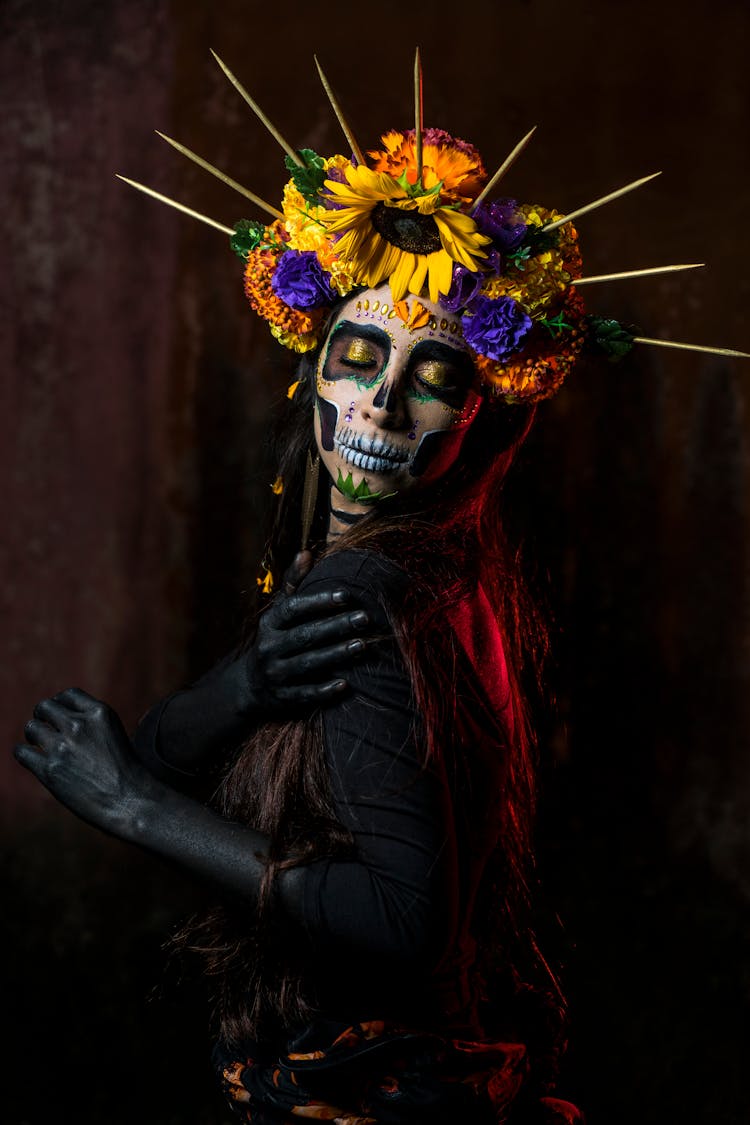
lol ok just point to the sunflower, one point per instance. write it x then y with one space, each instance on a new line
403 232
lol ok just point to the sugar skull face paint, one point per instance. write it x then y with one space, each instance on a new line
395 399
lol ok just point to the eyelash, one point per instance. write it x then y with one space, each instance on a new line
358 364
435 391
423 389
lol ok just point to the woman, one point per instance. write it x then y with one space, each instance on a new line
371 833
351 849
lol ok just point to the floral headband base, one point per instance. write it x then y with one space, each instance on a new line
416 213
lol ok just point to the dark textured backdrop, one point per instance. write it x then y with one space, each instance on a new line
136 394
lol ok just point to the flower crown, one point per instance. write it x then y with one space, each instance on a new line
416 213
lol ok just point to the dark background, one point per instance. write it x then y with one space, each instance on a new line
137 390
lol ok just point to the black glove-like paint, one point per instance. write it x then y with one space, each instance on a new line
77 747
300 638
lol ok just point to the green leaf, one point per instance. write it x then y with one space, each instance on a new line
310 177
413 190
248 235
535 241
554 324
611 337
359 493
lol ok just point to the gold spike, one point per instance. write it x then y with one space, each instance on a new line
173 203
418 113
258 111
341 119
599 202
309 495
636 273
509 160
221 176
691 347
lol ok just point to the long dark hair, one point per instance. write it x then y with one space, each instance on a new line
449 540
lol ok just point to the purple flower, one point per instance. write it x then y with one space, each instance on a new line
300 280
464 286
500 221
495 328
330 202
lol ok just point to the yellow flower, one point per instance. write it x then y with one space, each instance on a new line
400 232
266 583
544 277
302 219
295 341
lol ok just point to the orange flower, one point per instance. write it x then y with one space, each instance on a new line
415 317
446 160
546 361
294 326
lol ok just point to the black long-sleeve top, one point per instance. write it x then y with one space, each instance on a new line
389 929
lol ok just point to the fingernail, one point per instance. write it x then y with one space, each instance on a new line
355 646
359 618
339 596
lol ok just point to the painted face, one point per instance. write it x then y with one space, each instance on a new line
394 400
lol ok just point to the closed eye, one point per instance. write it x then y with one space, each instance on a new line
360 364
360 354
444 382
441 372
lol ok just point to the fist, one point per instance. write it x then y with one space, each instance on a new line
77 747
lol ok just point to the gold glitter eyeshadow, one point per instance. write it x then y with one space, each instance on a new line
435 374
359 351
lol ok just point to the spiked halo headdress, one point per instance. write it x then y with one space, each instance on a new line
417 213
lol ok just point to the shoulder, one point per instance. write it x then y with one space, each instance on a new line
357 565
372 578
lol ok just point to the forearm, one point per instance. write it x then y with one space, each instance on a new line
228 856
340 904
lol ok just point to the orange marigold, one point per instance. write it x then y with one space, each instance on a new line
259 269
546 361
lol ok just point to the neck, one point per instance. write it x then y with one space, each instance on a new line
342 514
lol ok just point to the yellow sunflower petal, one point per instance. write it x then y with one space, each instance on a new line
402 275
378 184
440 265
346 218
420 273
351 247
382 262
463 244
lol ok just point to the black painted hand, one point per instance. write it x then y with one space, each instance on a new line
77 747
302 641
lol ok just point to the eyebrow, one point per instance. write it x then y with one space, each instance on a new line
365 331
455 357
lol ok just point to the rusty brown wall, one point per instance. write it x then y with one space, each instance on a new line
136 392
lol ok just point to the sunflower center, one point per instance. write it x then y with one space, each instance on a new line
406 229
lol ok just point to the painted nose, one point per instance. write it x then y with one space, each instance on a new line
385 407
